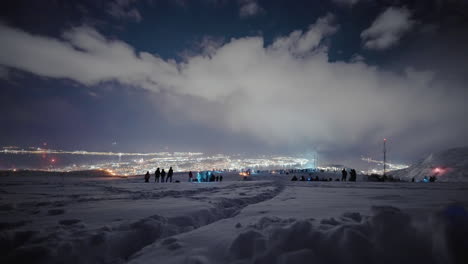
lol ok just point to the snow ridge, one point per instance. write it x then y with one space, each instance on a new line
448 166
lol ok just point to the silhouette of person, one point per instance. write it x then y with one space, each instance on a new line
352 175
157 174
344 174
205 176
147 176
169 175
212 177
190 176
163 175
217 178
220 178
294 178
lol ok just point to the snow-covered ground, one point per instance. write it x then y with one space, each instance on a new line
267 219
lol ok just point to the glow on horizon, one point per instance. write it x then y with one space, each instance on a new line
10 150
180 161
391 166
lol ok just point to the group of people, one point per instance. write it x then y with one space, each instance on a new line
205 176
352 175
344 177
160 175
310 178
425 179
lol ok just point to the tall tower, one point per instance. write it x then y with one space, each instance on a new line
316 160
384 156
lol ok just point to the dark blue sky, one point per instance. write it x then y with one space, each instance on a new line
75 74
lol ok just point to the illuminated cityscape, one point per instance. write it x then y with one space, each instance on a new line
121 163
379 168
137 163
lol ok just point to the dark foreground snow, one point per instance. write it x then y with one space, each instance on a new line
113 220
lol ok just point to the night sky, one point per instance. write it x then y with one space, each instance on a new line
240 76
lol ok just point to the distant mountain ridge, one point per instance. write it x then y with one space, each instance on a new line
448 166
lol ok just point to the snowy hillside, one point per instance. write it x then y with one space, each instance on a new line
266 219
448 166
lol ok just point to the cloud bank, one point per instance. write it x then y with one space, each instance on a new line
285 93
388 28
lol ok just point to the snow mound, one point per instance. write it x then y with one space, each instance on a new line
448 166
388 236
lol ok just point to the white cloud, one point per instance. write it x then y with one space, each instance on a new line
249 8
84 56
388 28
284 93
300 43
122 9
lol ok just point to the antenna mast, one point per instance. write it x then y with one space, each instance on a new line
384 156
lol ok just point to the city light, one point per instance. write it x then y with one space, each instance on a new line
32 150
124 164
390 166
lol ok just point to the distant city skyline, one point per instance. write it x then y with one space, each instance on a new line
134 163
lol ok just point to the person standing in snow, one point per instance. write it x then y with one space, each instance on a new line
169 175
352 175
147 176
344 174
163 175
190 176
157 174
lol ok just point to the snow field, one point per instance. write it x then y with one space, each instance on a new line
267 219
332 222
108 220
